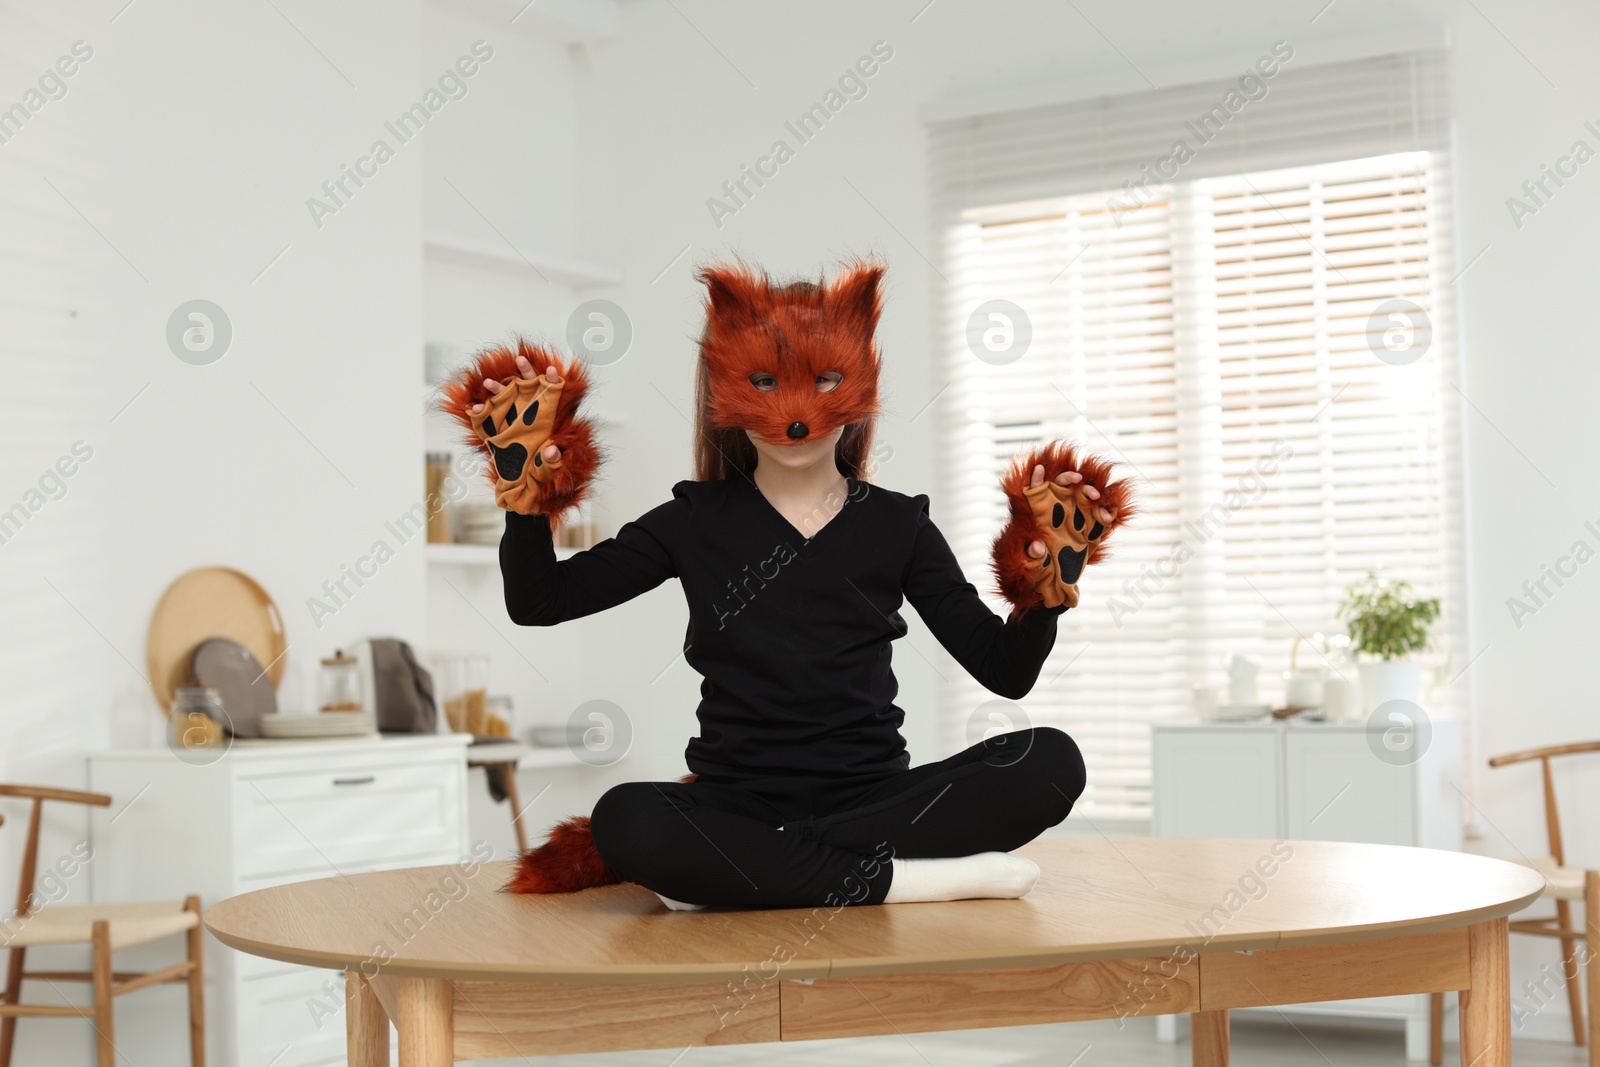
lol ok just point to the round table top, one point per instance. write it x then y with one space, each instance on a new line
1096 899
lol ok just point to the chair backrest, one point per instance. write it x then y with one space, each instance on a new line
30 851
1552 816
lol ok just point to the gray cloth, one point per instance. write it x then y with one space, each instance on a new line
403 689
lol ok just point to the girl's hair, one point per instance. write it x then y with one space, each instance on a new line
726 452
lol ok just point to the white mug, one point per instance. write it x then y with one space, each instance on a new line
1303 688
1242 680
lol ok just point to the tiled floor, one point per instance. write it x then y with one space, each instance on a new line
1099 1044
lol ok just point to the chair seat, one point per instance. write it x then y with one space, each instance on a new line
1561 883
131 924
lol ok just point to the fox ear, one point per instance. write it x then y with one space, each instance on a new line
735 296
856 297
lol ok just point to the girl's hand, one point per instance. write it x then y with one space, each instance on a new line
1037 549
551 453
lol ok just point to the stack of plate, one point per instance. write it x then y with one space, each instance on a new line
1240 712
481 524
326 724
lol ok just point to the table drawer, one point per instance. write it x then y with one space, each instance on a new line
345 817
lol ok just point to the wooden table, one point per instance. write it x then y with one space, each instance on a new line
1115 928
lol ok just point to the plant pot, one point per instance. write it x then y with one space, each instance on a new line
1390 679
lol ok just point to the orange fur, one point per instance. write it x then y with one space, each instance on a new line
566 862
795 333
1009 550
581 456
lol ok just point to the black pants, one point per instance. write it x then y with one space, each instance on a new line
803 842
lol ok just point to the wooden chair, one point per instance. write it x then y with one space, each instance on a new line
104 928
1563 885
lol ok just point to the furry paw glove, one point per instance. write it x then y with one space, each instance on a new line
520 421
1065 518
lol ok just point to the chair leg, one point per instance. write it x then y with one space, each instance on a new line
1436 1029
197 988
1569 970
515 799
105 1043
1591 926
13 994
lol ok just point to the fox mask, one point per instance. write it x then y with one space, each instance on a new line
791 363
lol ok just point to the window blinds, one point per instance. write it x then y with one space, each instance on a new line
1215 338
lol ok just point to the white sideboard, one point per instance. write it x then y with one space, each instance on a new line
1313 781
264 814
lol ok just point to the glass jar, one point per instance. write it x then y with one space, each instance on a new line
197 718
477 678
339 684
461 685
500 716
438 474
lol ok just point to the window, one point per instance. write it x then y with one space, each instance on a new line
1245 345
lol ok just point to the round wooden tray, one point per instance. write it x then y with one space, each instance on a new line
211 602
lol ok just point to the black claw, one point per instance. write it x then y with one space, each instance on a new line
488 427
511 413
1094 534
1058 515
1077 519
531 414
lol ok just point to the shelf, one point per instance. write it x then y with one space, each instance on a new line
456 555
560 269
527 755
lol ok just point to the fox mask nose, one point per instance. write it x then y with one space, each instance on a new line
797 430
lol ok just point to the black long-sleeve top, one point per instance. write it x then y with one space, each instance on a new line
790 634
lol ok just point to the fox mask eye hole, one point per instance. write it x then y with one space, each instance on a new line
768 383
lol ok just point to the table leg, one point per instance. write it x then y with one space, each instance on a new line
426 1023
1210 1037
366 1024
1435 1029
1486 1008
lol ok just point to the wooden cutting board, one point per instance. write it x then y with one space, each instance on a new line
211 602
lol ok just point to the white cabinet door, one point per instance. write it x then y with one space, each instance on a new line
1216 783
1338 789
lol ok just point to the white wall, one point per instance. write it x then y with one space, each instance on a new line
191 142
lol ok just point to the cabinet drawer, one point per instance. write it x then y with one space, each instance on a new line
345 817
291 1020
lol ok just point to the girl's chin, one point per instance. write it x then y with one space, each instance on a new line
795 455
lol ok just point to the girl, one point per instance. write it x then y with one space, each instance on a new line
795 566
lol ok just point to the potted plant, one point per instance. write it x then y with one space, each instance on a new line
1387 622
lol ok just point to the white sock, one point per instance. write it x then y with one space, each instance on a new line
986 874
678 905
